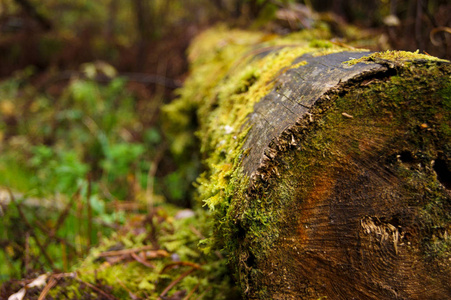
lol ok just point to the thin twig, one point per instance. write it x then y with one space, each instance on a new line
174 282
142 261
27 252
181 263
64 214
202 295
89 210
48 233
51 234
435 31
132 295
97 289
196 232
79 216
150 248
106 192
64 257
151 177
192 292
52 282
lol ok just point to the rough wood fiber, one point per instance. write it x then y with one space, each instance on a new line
337 182
295 92
365 213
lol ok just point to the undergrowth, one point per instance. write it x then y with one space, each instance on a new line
73 163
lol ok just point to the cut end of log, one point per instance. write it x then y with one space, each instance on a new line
328 170
357 207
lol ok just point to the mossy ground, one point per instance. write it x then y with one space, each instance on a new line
150 257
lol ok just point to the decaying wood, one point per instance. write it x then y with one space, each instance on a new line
361 228
296 91
345 174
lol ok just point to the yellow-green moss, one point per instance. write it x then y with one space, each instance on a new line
394 57
179 237
231 70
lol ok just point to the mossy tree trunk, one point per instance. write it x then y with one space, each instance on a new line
336 181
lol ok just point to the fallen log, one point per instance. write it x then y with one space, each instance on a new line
328 168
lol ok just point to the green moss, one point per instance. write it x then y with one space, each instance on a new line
321 44
227 65
394 57
240 75
123 276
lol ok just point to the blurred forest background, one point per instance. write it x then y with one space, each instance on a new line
82 141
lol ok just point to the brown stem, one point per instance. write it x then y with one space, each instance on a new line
89 211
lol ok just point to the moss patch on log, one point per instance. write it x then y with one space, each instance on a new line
395 57
241 68
251 214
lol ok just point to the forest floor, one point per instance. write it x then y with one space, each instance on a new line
82 135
